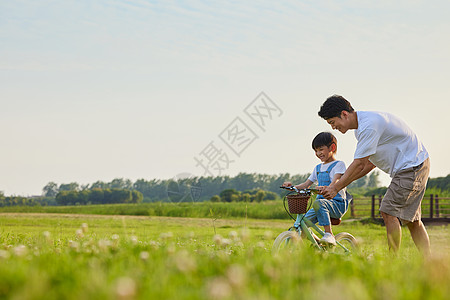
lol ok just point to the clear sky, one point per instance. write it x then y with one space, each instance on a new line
95 90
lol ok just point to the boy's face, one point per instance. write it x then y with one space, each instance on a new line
340 123
325 153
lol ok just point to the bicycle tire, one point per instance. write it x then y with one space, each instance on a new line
285 240
347 240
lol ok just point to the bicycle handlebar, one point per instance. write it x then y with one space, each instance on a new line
301 191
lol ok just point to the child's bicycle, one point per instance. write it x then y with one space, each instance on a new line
298 204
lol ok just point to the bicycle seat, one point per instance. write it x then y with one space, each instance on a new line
335 221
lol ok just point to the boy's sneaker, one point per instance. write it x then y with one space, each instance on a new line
328 238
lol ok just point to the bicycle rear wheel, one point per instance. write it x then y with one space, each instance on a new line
347 241
286 240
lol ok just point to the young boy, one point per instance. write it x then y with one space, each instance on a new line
326 173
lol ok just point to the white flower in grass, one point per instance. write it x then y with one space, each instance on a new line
74 245
166 235
47 237
79 233
144 255
233 235
171 248
245 234
226 242
115 240
185 262
154 245
217 239
84 227
104 245
218 288
20 250
125 288
134 240
4 254
237 276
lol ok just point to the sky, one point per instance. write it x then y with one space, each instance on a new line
97 90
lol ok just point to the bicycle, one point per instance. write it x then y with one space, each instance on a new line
298 204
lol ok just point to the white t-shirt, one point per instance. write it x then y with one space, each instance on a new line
339 168
390 144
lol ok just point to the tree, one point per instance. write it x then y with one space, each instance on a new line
215 198
73 186
50 190
227 195
96 196
260 196
67 197
99 185
373 180
120 183
136 196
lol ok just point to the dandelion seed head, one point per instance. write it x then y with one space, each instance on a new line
226 242
185 262
237 276
125 288
217 239
84 227
79 233
4 254
134 240
20 251
219 288
144 255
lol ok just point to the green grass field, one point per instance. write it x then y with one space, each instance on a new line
61 256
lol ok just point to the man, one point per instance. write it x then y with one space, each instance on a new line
386 142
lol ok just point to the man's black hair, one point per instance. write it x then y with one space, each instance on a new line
324 139
333 107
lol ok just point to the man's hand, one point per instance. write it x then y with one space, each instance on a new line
328 192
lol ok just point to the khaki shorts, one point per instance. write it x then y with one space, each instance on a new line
405 193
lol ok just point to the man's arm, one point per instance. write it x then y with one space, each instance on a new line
357 169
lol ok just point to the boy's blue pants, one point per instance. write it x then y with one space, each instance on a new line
323 209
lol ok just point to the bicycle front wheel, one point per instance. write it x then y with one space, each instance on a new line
286 240
347 243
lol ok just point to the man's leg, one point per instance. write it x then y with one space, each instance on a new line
393 230
420 237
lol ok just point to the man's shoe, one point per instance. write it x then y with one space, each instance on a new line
328 238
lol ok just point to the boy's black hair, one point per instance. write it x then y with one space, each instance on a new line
324 139
333 107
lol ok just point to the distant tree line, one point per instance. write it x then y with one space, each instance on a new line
232 195
250 187
441 183
98 196
246 185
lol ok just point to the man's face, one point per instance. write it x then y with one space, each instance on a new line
339 123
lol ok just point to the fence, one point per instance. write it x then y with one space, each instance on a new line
434 208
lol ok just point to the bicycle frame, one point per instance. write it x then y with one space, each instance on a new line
306 225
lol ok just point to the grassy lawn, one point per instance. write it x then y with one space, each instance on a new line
63 256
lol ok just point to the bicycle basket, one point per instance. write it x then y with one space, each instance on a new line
297 204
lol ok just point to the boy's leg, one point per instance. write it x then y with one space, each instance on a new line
328 208
393 231
420 237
